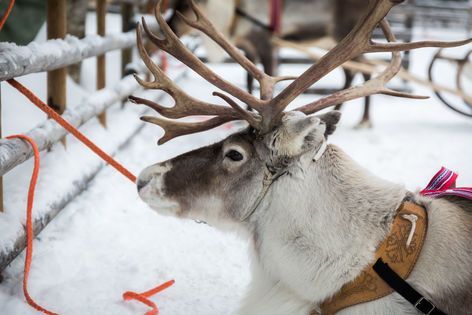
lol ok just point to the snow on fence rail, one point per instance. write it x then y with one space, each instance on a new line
16 60
14 152
53 56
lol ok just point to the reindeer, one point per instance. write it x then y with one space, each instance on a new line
247 23
313 216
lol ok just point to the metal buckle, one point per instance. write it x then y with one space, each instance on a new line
421 300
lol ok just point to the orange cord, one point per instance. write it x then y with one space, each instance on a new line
29 224
7 13
141 297
70 128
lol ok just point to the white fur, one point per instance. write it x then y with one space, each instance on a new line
319 225
299 267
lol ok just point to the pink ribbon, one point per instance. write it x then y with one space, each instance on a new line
444 184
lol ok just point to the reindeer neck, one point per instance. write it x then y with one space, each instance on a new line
343 189
332 210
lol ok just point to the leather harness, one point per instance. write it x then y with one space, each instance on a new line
395 259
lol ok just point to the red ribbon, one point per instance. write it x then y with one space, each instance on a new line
444 184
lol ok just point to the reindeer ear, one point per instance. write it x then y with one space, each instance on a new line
296 134
331 120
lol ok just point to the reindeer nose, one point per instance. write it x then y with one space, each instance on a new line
150 174
141 183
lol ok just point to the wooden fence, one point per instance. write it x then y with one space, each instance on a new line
62 50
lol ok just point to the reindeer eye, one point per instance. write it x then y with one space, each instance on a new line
234 155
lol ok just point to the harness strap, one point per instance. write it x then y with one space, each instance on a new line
270 177
404 289
275 17
401 256
321 150
253 20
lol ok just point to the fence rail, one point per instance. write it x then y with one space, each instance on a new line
55 54
17 61
15 152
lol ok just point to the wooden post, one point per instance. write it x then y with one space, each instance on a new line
126 26
57 79
126 16
56 28
101 61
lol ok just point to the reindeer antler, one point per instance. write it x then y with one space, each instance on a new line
370 87
269 108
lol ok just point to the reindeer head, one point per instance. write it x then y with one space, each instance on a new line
224 182
227 181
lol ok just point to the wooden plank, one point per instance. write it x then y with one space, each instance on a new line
57 28
101 60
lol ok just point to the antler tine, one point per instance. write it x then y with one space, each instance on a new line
185 105
174 129
171 44
248 116
203 24
354 44
373 86
389 47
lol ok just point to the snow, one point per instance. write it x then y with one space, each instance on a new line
107 241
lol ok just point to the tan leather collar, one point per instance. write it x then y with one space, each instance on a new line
395 251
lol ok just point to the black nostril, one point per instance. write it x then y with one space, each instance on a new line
140 184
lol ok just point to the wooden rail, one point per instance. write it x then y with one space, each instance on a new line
14 152
56 54
53 57
11 252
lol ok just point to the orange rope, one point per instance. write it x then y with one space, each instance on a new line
29 225
7 13
70 128
141 297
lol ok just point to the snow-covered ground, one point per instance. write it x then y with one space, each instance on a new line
107 241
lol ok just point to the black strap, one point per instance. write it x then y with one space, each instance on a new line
404 289
254 20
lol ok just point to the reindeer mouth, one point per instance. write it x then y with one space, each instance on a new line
151 193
